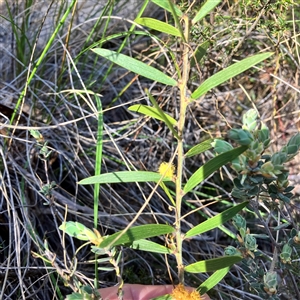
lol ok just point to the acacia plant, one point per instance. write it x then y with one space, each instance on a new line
106 247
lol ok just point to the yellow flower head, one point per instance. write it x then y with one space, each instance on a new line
181 293
166 169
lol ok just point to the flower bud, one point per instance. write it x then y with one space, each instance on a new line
239 222
230 251
286 253
241 136
250 242
270 283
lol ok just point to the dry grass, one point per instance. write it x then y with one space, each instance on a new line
33 250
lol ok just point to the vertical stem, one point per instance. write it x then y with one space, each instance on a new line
184 100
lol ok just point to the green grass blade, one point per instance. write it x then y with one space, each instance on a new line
211 265
212 281
205 9
228 73
135 66
125 176
165 4
136 233
215 221
211 166
98 162
158 25
42 56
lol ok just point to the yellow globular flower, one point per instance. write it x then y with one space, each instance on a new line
181 293
166 169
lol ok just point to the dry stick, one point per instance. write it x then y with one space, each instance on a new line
295 37
21 103
236 48
295 284
10 209
140 210
52 126
68 37
284 49
42 56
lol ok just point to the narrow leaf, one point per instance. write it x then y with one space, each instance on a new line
228 73
212 281
137 233
211 166
167 191
200 148
211 265
205 9
165 4
77 230
216 221
158 25
162 114
149 246
124 176
151 112
135 66
98 251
